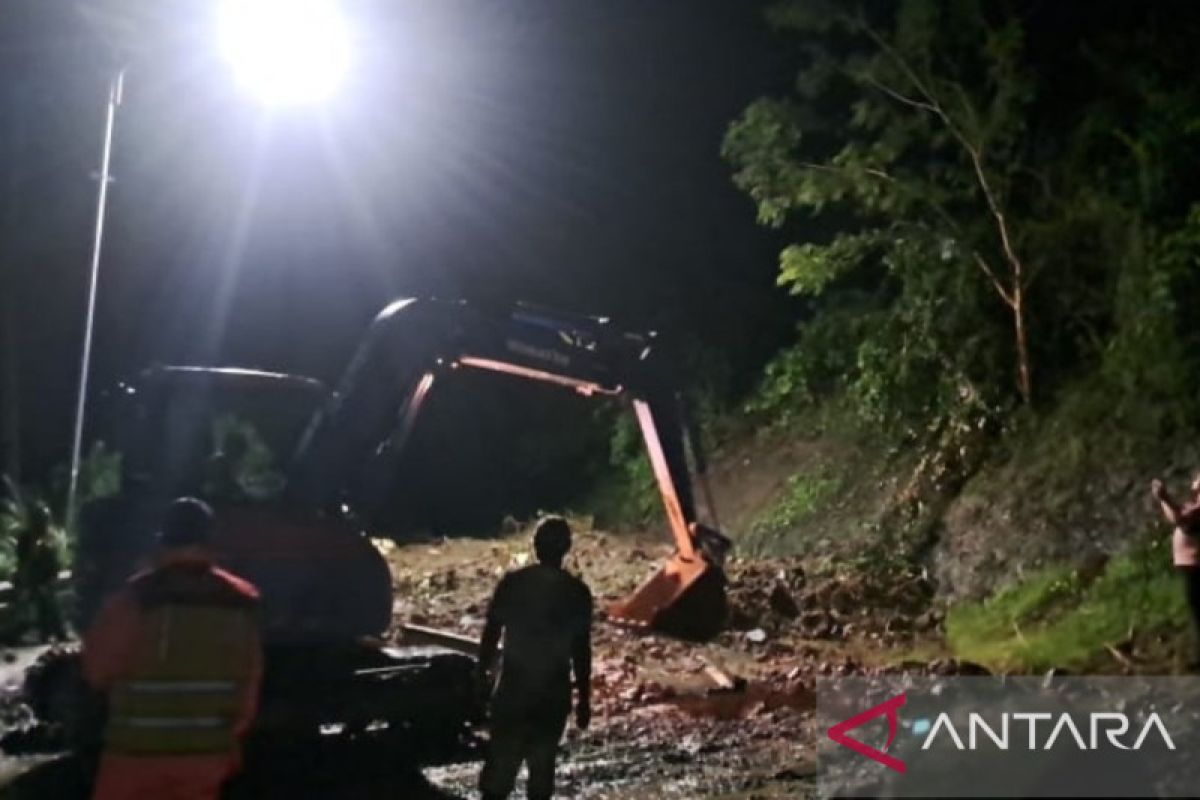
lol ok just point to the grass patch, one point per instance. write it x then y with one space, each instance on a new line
1053 620
803 495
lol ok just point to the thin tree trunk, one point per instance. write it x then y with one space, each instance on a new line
1024 372
1012 289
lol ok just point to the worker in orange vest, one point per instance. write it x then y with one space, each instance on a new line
178 653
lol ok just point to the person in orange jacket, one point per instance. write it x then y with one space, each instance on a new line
179 655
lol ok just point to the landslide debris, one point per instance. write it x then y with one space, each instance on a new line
741 704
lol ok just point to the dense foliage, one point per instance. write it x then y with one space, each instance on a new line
17 512
987 205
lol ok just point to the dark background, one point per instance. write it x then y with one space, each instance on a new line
561 152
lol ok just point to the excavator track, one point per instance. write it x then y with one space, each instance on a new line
418 700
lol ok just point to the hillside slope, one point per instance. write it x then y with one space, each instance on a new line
1042 547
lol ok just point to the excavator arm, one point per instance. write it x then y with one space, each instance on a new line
369 418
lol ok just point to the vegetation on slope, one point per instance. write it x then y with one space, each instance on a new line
1057 618
998 266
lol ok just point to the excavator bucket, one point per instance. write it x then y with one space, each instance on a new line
685 598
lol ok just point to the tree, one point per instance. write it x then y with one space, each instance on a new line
907 135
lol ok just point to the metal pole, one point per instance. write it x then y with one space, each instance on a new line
115 88
10 378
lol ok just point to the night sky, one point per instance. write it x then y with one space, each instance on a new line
561 152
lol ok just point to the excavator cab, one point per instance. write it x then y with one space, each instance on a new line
198 430
230 436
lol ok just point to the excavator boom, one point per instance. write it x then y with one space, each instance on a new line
368 419
347 444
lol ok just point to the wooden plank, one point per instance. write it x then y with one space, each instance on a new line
420 634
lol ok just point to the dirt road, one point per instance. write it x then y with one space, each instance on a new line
731 718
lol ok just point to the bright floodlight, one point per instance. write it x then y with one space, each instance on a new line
287 52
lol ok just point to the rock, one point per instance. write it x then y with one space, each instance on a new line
741 620
1092 568
950 666
813 619
821 595
757 636
928 621
801 697
797 773
842 601
782 602
941 666
1051 674
971 668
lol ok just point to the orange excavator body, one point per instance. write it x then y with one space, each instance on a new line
345 446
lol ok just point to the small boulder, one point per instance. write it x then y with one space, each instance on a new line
756 636
782 602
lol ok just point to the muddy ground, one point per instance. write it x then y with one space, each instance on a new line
663 723
730 718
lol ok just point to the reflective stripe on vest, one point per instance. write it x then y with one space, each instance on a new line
187 686
174 722
194 687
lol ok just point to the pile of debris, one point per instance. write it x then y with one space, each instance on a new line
675 698
780 597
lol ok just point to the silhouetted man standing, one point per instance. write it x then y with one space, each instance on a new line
545 616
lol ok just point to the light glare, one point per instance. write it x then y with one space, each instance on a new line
286 52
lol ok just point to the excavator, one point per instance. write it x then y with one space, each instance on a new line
299 535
